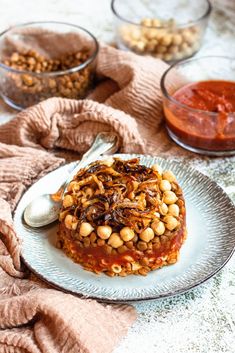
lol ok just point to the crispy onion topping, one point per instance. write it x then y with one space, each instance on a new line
124 194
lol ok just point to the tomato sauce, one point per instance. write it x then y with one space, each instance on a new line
200 129
98 253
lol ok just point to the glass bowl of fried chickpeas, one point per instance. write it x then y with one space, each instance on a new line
122 218
40 60
168 30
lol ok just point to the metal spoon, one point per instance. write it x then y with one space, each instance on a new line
44 210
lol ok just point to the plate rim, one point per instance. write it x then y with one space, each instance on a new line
147 298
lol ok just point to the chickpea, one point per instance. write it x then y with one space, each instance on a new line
179 56
158 227
165 185
127 233
188 36
85 229
157 214
169 197
168 57
73 186
168 175
115 241
174 210
173 49
166 40
161 49
150 47
163 209
108 162
104 232
146 22
151 34
140 46
177 39
135 34
188 51
156 22
157 168
70 222
147 235
160 34
171 222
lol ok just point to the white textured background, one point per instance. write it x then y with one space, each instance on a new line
202 320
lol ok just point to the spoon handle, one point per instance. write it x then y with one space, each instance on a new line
104 142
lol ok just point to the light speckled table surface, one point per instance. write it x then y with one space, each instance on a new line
202 320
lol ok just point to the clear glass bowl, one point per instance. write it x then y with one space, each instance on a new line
46 43
168 30
200 131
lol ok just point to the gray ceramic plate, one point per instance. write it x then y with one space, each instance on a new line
210 242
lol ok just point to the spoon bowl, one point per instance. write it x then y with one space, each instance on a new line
42 211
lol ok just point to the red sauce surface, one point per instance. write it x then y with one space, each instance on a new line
199 129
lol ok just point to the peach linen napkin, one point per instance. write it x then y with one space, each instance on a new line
33 316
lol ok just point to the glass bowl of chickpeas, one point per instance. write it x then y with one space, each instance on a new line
39 60
168 30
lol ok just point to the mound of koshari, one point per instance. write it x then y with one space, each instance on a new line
122 218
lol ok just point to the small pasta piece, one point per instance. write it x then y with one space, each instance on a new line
135 266
116 268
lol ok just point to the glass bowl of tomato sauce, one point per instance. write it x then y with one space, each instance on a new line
199 104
